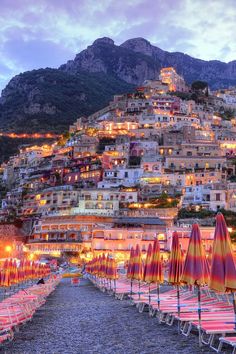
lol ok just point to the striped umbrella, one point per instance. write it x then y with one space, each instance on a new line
196 268
176 267
156 268
138 266
130 270
147 270
223 269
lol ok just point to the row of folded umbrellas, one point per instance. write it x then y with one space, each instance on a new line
13 273
103 267
220 275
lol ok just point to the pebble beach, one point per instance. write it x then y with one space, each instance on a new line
84 320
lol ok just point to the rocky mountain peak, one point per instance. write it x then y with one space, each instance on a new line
139 45
103 40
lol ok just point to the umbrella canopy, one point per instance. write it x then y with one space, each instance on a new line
156 265
130 270
103 266
138 266
176 261
147 266
223 270
196 267
112 272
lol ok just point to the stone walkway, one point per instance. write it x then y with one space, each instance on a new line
82 320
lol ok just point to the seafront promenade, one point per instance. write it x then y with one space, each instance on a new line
84 320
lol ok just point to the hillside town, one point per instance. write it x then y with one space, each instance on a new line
127 174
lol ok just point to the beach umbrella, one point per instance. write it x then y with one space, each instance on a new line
223 269
176 267
130 270
103 266
147 270
6 273
147 265
138 266
156 268
196 268
112 271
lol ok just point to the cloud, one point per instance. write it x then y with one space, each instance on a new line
44 33
36 53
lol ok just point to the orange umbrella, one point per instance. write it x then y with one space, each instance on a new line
196 267
176 266
156 268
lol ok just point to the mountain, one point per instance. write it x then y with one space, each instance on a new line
137 59
51 99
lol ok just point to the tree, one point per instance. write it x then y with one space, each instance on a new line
199 85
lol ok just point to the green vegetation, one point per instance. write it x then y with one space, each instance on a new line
227 113
186 213
48 100
10 146
199 86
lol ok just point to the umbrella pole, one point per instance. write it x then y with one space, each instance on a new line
178 308
131 287
139 289
234 304
199 314
114 286
158 296
149 295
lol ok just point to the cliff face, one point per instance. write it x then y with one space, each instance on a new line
51 99
136 60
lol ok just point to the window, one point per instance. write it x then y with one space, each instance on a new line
217 197
126 174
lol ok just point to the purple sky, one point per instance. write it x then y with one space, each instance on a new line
47 33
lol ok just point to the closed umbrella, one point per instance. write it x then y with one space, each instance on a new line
156 268
223 269
130 270
147 270
176 267
196 267
138 266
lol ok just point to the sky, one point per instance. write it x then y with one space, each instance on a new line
46 33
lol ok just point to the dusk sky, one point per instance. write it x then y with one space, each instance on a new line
47 33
